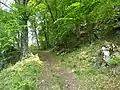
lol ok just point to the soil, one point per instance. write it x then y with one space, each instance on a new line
56 76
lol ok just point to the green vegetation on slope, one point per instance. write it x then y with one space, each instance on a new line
82 62
22 76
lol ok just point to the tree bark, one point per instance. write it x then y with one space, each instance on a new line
36 35
24 39
46 39
46 32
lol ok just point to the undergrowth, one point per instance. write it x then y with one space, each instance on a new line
22 76
82 63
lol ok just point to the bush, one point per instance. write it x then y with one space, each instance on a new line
10 56
114 61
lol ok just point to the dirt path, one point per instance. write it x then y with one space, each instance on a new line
55 76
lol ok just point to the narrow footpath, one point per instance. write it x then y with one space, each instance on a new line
55 76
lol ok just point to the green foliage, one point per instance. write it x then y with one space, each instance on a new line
63 24
21 76
33 49
115 61
8 28
94 17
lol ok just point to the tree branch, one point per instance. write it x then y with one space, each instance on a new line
5 5
50 11
17 1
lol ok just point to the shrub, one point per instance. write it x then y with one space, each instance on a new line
114 61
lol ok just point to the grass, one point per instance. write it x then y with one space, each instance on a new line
82 63
22 76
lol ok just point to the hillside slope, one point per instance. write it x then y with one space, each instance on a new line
83 64
21 76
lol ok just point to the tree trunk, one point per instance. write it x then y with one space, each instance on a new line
18 39
36 35
24 33
49 9
46 32
24 40
56 11
46 39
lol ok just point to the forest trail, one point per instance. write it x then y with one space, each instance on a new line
55 76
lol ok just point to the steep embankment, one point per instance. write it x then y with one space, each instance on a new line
21 76
82 63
